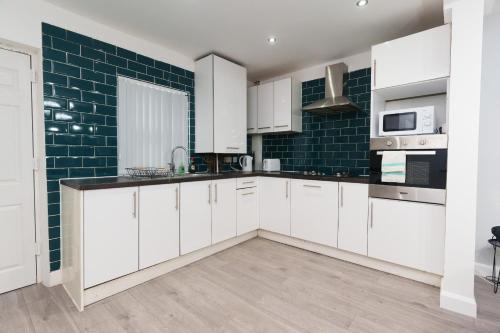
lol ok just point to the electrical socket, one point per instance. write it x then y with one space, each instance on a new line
235 159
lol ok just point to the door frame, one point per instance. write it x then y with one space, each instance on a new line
43 273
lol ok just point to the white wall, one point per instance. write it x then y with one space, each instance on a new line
354 62
488 198
20 22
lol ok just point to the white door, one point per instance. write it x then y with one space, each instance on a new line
17 221
282 105
252 109
230 107
353 217
111 234
158 224
315 211
223 210
247 208
274 196
196 215
407 233
265 108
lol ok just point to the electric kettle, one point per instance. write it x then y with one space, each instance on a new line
246 162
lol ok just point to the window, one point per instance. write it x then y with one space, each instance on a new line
152 120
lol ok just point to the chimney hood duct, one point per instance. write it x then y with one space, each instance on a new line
334 100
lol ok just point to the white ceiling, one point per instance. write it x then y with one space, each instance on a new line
309 32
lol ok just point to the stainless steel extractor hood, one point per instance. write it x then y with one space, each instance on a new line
334 100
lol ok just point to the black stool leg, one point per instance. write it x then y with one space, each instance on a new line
496 281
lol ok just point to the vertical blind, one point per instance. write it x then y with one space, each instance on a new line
152 120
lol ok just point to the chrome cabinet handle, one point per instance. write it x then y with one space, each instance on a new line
248 193
278 126
248 182
371 215
209 194
287 189
313 186
341 196
265 127
215 193
134 213
374 73
250 128
176 198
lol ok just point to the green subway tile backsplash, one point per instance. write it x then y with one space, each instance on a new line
328 143
80 89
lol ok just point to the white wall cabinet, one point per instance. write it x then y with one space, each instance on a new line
223 209
110 242
247 207
252 110
158 224
416 58
265 107
221 106
275 204
279 106
196 215
407 233
315 211
353 217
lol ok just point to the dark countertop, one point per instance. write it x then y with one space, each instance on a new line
126 181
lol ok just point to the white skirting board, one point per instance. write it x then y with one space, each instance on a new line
458 303
484 270
403 271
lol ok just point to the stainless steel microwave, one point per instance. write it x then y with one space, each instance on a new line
412 121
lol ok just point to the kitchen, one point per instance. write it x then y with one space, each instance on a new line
155 167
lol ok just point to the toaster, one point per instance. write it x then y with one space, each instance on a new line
271 164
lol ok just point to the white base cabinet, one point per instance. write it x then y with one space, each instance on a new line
247 207
158 224
223 209
315 211
407 233
196 215
353 217
275 204
110 239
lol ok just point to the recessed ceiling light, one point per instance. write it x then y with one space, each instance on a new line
272 40
361 3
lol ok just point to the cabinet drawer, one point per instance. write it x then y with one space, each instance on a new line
245 182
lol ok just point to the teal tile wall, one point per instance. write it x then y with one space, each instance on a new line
80 78
328 143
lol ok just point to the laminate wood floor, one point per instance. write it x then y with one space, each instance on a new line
257 286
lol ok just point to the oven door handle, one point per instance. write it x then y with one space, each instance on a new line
417 152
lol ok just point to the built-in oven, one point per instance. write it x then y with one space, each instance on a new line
425 169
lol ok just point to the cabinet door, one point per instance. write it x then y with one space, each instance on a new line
353 217
247 209
204 105
252 110
230 107
223 210
196 215
419 57
158 224
315 211
407 233
111 245
265 97
282 105
274 196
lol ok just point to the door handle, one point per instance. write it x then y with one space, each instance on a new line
215 193
312 186
248 193
250 128
278 126
287 189
265 127
209 194
176 198
371 215
341 196
374 73
134 212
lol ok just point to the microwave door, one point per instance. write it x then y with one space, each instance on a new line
399 124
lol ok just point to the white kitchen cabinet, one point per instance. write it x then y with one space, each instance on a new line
252 110
247 208
221 106
314 209
353 217
195 216
407 233
274 197
280 106
423 56
223 209
158 224
265 107
110 241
